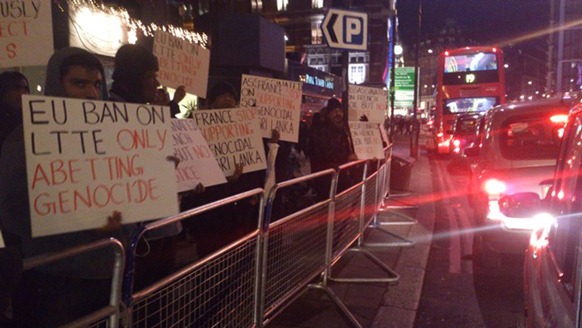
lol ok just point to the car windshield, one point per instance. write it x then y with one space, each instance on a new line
531 137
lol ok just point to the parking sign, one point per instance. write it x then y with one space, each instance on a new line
346 29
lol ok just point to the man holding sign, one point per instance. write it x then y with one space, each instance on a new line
66 290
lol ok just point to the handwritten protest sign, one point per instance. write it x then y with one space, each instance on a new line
181 63
234 137
278 104
197 163
87 158
371 102
26 33
367 140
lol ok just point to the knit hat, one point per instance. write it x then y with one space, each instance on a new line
220 88
332 104
131 61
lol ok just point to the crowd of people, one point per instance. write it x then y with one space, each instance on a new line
45 295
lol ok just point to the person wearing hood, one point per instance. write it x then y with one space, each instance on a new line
56 294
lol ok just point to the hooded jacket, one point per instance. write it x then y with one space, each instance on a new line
53 85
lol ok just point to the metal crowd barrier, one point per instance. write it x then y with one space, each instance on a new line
217 291
250 281
295 247
385 212
110 315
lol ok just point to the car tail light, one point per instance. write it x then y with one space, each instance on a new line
559 118
494 187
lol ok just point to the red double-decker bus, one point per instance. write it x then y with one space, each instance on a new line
469 80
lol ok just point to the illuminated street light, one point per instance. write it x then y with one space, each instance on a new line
398 50
430 51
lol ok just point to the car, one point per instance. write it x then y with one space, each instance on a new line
517 153
465 132
553 258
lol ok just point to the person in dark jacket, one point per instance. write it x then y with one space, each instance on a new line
13 85
55 294
135 78
331 144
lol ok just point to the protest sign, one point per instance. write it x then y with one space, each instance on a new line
278 104
369 102
366 140
197 163
26 33
181 63
87 158
234 137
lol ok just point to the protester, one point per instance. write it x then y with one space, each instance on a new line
135 78
331 143
135 81
12 86
58 293
217 228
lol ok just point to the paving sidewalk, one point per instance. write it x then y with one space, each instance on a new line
378 305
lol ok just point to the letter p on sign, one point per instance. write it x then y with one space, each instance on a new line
353 32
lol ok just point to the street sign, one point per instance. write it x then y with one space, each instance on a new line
345 29
404 87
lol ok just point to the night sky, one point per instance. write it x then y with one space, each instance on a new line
485 21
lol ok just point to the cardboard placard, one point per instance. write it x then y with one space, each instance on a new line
197 163
26 33
366 140
234 137
278 104
181 63
87 158
369 102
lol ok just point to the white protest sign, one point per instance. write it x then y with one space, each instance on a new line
278 104
26 33
87 158
234 137
366 140
197 163
181 63
369 102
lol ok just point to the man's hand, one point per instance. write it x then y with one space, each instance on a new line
174 159
238 170
113 222
275 136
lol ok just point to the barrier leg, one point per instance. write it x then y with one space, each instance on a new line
344 310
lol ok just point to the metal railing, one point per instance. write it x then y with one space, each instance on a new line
109 316
253 279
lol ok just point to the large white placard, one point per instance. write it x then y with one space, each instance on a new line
197 163
366 140
87 158
278 104
26 33
234 136
369 102
182 63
